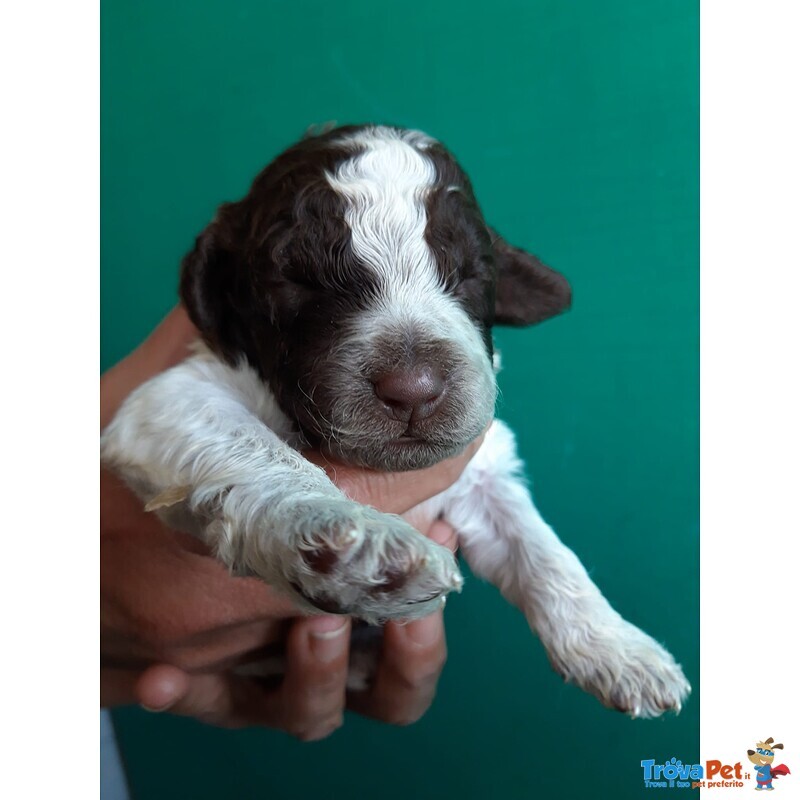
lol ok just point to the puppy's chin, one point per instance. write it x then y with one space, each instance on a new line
399 455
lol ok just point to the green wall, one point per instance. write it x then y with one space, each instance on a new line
578 123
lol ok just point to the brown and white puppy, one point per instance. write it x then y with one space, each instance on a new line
347 302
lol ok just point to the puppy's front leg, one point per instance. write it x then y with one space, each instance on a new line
201 444
506 541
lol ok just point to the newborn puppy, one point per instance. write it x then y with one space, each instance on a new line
347 303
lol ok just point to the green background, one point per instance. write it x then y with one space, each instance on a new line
578 123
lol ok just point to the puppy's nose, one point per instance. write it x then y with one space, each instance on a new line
410 393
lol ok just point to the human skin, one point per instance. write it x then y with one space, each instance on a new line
174 622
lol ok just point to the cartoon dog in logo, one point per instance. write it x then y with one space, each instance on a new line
762 757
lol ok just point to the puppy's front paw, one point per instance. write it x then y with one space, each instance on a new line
624 668
349 559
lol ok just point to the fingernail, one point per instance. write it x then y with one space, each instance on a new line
326 639
424 632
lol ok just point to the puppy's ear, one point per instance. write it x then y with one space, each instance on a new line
528 291
208 286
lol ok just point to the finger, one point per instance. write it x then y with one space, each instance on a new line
444 534
412 659
313 691
161 687
217 698
308 705
436 529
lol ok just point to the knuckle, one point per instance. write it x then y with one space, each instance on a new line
325 683
409 681
315 714
422 675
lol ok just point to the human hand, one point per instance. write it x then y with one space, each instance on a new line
174 622
166 602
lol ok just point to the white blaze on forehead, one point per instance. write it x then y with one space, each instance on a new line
386 186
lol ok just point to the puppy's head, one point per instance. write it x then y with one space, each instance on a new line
359 278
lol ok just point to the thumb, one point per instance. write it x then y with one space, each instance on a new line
216 698
159 688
